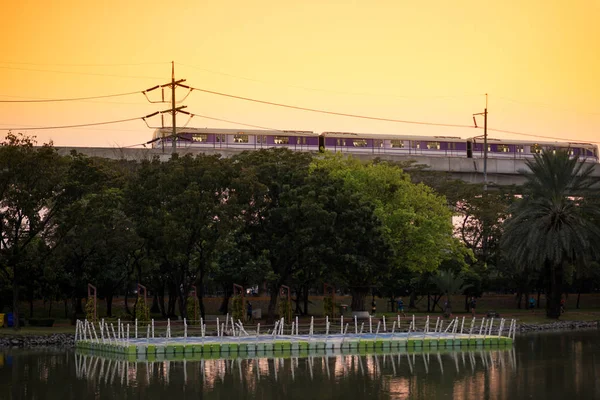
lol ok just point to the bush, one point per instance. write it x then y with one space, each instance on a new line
46 322
141 311
89 309
237 307
193 310
328 306
285 309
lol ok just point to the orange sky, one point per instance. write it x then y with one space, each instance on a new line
425 61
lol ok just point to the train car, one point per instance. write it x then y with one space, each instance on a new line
508 148
348 142
243 139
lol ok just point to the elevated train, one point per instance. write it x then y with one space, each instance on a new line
365 143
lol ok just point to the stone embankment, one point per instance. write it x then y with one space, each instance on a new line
559 325
55 340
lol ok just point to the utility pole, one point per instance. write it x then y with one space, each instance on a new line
485 142
485 145
173 111
484 239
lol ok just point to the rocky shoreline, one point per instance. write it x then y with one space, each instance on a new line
27 341
559 325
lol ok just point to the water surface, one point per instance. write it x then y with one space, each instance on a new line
541 366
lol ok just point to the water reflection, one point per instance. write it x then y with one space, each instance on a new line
248 372
548 366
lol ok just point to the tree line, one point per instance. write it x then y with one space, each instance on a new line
276 217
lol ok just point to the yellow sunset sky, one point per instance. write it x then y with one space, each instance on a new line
429 61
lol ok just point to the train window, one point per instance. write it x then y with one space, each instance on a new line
536 149
377 143
433 145
281 140
359 143
242 138
397 143
300 140
341 142
261 139
220 138
452 146
415 144
518 149
502 148
196 137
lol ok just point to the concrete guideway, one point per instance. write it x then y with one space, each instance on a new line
500 171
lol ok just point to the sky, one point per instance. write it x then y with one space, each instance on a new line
428 61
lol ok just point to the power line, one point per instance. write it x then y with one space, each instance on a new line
234 122
77 125
323 90
85 65
70 99
80 73
330 112
542 105
530 135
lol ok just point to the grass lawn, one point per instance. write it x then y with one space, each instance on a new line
36 331
525 316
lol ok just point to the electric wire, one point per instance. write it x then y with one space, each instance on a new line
330 112
542 105
531 135
324 90
70 99
75 125
234 122
87 65
81 73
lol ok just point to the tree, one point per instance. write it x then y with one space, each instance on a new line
555 224
30 196
182 209
449 283
416 222
275 221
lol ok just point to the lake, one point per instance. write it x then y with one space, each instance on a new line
554 365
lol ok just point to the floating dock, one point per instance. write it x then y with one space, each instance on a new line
237 342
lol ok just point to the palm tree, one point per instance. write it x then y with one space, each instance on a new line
555 223
449 284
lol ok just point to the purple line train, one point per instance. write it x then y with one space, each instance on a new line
366 143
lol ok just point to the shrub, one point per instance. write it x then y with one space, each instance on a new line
285 309
193 310
237 307
328 306
89 310
141 312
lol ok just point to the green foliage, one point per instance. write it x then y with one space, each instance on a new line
31 189
193 310
237 307
141 311
329 306
89 310
557 222
449 283
284 308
